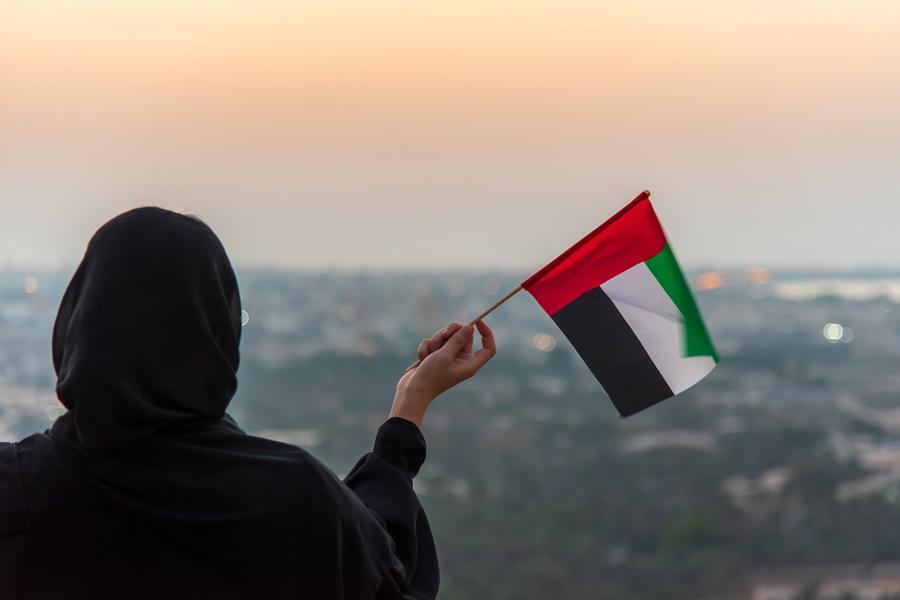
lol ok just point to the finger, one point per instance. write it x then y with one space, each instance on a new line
488 346
444 334
434 342
458 340
467 349
487 335
422 350
451 329
438 339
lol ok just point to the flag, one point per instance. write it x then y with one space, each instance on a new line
620 298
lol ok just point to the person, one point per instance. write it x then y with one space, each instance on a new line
146 488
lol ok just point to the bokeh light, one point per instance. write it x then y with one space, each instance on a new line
544 342
490 286
710 280
833 332
31 285
758 275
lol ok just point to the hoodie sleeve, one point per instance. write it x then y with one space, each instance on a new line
382 479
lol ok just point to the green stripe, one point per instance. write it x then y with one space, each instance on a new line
665 268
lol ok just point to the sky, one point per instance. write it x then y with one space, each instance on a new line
455 133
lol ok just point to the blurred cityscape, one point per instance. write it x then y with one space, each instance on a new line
777 478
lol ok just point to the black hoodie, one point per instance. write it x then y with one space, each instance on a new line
146 488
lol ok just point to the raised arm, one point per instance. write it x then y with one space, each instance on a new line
383 478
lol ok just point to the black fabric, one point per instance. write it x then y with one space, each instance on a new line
612 352
145 488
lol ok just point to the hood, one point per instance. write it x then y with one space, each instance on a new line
148 330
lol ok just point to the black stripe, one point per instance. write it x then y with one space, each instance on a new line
612 352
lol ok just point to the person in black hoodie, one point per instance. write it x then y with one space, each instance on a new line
146 488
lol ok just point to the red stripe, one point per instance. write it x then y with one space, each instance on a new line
631 236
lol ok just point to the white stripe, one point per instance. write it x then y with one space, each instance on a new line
657 323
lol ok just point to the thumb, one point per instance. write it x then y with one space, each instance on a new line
458 341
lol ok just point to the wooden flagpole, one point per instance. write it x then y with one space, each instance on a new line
491 308
483 314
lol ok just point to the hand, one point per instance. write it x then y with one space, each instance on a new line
446 359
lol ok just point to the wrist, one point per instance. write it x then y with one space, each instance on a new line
410 404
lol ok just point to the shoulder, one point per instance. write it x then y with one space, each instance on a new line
294 465
303 482
38 486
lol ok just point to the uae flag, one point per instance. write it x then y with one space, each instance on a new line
620 298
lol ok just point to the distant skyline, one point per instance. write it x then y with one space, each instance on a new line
455 134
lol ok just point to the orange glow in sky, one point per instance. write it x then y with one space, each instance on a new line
354 133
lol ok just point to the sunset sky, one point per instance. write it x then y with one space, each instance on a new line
452 133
